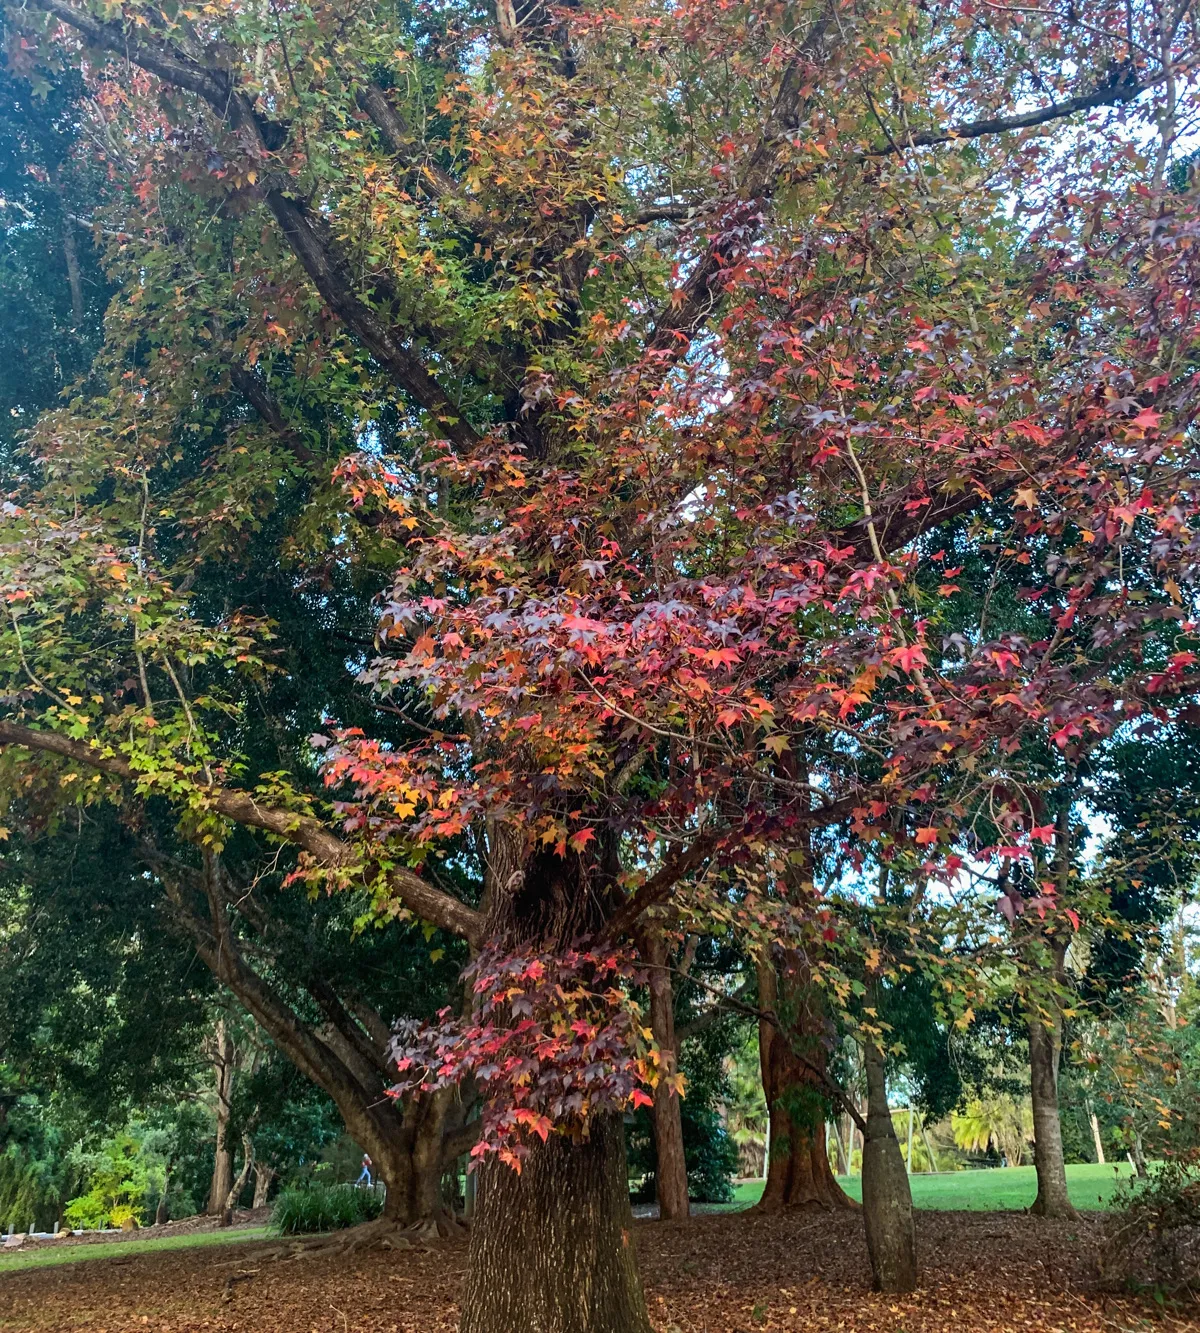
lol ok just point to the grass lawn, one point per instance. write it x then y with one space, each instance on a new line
1091 1186
45 1257
994 1189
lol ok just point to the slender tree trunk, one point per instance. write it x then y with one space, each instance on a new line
1094 1121
345 1064
1045 1051
223 1069
70 251
798 1170
1138 1157
887 1195
929 1148
552 1248
161 1214
71 255
1045 1046
235 1190
670 1174
264 1176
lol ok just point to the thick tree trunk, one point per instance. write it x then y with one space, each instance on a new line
552 1248
1045 1046
671 1166
887 1195
798 1170
264 1176
223 1070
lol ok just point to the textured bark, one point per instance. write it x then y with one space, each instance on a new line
670 1176
1045 1047
552 1248
223 1071
798 1169
887 1195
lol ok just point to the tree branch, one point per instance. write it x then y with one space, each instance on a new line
303 831
1122 87
320 259
257 393
659 885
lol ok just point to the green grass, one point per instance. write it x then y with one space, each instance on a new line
988 1190
46 1257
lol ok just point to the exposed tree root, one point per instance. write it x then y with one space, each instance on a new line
382 1234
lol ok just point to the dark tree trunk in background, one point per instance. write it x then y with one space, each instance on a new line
346 1057
552 1248
1045 1049
887 1196
223 1070
798 1169
671 1171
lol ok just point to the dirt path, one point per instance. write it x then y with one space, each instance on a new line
984 1273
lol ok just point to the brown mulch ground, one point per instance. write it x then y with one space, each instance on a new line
804 1273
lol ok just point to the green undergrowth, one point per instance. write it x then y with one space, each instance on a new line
308 1209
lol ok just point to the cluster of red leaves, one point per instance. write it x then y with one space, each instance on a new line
553 1040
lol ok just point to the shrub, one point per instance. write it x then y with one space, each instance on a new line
1152 1238
304 1209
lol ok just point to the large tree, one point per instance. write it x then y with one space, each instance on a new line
658 344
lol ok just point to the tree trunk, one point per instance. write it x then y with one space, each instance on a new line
1094 1121
1045 1045
887 1195
70 252
264 1176
1138 1157
222 1176
235 1190
343 1059
670 1174
798 1170
161 1214
552 1248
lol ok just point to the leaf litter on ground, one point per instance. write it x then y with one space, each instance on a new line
799 1272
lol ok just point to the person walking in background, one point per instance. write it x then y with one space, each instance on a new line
366 1171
